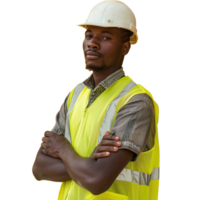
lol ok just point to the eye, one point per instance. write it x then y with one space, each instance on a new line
88 36
106 38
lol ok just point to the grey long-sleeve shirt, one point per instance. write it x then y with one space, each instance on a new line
134 123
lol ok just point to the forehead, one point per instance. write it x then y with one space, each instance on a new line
99 30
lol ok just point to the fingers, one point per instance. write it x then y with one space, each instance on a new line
106 149
43 145
108 144
103 151
107 133
44 151
107 137
110 141
43 133
47 133
100 155
44 139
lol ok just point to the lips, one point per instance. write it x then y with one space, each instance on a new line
92 55
89 56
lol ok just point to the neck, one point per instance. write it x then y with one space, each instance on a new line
102 75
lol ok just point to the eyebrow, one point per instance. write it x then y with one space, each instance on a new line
89 31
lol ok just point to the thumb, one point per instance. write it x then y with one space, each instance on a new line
107 133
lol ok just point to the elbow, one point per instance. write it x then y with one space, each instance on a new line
34 174
96 192
97 186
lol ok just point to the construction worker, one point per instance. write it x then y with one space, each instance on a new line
83 149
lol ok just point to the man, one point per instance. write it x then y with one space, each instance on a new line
108 102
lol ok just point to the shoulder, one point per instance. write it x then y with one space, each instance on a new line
137 103
142 99
134 122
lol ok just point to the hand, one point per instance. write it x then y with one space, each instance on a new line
108 144
53 144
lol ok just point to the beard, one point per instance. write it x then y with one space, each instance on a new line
98 67
95 68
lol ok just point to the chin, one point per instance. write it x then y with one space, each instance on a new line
93 68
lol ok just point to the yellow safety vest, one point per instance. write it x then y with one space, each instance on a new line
85 127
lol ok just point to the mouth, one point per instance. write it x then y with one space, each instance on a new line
92 57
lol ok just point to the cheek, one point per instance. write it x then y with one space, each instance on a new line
111 52
82 47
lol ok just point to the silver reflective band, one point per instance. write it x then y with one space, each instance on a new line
138 177
126 174
75 96
109 115
107 121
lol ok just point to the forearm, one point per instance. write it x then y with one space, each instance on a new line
82 170
48 168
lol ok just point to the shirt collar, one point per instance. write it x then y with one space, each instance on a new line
107 82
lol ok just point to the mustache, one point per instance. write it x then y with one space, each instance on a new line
92 50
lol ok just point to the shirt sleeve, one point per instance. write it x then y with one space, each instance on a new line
59 126
135 124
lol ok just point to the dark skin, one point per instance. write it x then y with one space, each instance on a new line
111 50
52 169
94 175
104 53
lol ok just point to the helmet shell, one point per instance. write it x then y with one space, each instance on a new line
112 13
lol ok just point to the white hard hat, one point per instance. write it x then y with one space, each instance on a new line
112 13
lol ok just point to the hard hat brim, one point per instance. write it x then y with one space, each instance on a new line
84 26
133 39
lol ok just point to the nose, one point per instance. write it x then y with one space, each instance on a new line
94 43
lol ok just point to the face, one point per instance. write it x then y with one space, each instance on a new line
103 48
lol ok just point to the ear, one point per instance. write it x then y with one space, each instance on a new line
126 48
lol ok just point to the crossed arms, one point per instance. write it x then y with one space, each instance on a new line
57 161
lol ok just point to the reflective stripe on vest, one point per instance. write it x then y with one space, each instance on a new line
126 174
76 94
138 177
107 121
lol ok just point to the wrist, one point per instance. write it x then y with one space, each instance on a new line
62 154
65 150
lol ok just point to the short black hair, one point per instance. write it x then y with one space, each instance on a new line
126 34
